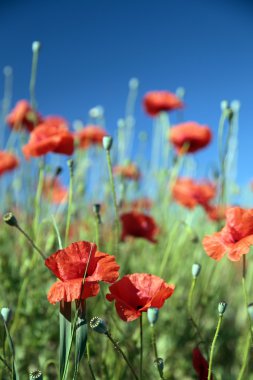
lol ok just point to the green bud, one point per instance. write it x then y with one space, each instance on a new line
250 311
107 142
159 363
196 268
98 325
36 45
221 308
152 314
6 314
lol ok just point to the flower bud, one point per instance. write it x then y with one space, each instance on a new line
133 83
10 219
98 325
196 268
70 164
6 314
235 105
36 45
107 142
224 105
222 307
96 208
58 171
180 92
250 311
152 314
37 374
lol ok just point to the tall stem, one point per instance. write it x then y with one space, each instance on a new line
35 48
70 198
155 352
37 200
141 347
213 346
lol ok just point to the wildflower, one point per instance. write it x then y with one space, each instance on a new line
190 193
200 364
56 122
8 162
129 171
189 137
90 135
138 225
79 267
216 213
23 116
158 101
49 137
136 293
54 191
235 238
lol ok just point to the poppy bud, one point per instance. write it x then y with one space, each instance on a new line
58 171
235 105
6 314
121 123
196 268
250 311
36 45
10 219
107 142
152 314
96 112
159 363
96 208
37 374
71 166
133 83
222 307
180 92
7 71
224 105
98 325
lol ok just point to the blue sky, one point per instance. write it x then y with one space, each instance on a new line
91 48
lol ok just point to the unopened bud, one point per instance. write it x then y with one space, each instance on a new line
196 268
6 314
250 311
107 142
36 45
222 307
159 363
152 314
133 83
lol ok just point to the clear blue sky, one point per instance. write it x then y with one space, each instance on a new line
91 48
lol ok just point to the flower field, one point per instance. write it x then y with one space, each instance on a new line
116 264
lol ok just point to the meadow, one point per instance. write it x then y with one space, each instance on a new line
114 264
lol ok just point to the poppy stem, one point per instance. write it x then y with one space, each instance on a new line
35 58
213 346
31 242
70 198
141 346
245 358
115 344
38 199
89 362
117 224
159 369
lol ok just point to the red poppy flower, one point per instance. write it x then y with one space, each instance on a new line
190 137
7 162
200 364
23 116
190 193
49 137
129 171
54 191
56 122
138 225
158 101
216 213
135 293
69 265
90 135
235 238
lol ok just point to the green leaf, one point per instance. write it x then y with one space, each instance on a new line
65 334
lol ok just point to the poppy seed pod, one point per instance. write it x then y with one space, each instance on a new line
196 268
107 142
37 374
10 219
98 325
152 314
222 308
159 363
6 314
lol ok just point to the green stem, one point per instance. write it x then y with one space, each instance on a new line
117 223
31 242
141 347
5 363
33 77
115 344
70 198
245 358
89 362
155 352
213 346
37 200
